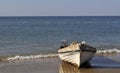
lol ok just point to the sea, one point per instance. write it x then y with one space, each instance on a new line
25 37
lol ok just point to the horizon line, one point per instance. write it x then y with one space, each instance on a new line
65 16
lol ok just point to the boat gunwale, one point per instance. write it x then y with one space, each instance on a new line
77 51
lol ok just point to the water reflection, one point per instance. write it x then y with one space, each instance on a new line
66 67
97 64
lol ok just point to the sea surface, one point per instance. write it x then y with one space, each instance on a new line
42 35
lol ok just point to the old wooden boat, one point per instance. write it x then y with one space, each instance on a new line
76 53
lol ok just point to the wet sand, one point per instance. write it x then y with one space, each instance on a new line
47 65
99 64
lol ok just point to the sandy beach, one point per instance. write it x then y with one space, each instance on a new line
99 64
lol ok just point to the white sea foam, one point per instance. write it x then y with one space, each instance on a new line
108 51
18 57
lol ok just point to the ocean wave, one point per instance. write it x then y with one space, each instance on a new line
18 57
108 51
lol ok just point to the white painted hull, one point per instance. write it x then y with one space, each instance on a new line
76 55
76 58
72 57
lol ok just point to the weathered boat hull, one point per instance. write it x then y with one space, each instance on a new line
77 56
72 57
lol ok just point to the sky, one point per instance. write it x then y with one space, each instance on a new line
59 7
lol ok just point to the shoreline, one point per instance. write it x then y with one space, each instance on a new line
99 64
107 52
